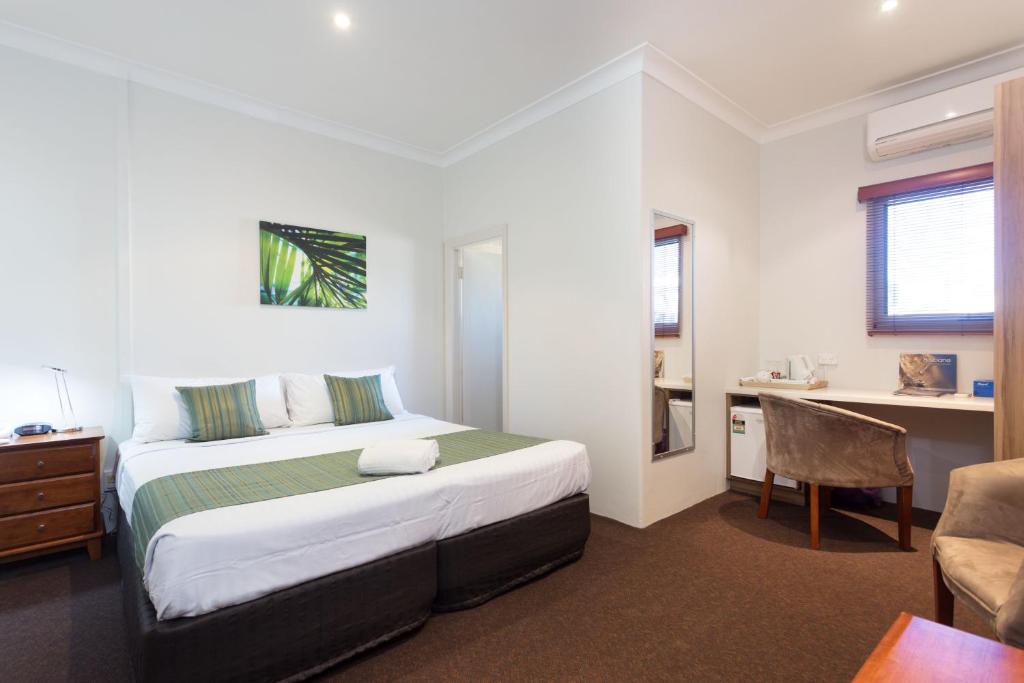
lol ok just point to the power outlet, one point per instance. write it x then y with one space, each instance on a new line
827 359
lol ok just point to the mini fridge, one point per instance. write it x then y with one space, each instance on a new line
680 424
747 450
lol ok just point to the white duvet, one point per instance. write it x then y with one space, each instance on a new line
207 560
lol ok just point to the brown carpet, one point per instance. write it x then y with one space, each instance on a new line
712 593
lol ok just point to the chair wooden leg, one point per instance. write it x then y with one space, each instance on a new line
826 497
766 493
815 532
944 600
904 502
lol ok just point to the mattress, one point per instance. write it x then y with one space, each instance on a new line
212 559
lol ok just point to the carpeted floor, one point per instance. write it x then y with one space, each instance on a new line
712 593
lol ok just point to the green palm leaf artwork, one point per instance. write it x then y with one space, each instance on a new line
310 267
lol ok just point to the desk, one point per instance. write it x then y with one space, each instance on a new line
673 384
883 398
737 395
916 649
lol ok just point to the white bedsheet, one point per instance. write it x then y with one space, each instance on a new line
204 561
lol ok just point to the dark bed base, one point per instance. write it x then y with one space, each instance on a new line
481 564
288 635
298 632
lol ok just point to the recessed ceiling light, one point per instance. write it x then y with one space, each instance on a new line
344 22
950 114
890 5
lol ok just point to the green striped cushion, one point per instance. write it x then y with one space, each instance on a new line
222 411
357 399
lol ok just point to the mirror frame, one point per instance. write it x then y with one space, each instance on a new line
691 225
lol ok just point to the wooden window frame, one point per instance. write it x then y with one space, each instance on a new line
878 322
674 231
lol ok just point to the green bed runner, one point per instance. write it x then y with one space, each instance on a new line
164 499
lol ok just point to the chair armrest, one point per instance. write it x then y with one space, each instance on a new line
1010 619
985 501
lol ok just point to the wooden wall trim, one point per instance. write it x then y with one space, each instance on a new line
924 182
671 231
1009 313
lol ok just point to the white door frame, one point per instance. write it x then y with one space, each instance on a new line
452 364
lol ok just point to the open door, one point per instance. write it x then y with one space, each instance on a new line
477 332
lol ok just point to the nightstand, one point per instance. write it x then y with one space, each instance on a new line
50 494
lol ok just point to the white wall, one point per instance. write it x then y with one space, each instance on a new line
131 245
568 188
812 287
147 205
697 167
58 203
204 177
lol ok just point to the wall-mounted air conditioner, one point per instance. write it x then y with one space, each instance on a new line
945 118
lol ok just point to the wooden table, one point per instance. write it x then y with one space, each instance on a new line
916 649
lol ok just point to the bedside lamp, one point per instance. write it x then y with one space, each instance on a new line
60 379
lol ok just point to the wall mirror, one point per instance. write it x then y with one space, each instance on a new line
673 431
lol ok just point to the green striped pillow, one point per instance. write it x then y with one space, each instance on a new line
357 399
222 411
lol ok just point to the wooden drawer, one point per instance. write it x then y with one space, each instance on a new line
38 527
30 496
40 463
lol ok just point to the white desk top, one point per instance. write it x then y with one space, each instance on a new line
678 384
885 398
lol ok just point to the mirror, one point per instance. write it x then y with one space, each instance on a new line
673 429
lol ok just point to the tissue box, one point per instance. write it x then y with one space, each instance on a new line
984 387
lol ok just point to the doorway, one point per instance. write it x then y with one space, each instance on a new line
476 335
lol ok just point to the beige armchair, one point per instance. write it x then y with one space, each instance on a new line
825 447
978 547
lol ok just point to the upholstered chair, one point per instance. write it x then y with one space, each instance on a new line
826 447
978 547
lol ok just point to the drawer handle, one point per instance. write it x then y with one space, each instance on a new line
41 528
41 464
41 495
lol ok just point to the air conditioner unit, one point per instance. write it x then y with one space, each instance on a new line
945 118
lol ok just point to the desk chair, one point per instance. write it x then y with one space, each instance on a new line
978 547
659 413
825 447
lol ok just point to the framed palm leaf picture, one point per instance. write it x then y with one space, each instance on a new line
310 267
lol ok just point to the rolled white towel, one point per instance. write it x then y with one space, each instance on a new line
398 456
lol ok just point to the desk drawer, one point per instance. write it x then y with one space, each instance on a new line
40 463
30 496
39 527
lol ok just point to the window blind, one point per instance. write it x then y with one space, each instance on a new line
666 278
931 260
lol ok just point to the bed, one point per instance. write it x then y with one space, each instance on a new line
279 589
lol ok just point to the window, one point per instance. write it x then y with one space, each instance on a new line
668 259
931 254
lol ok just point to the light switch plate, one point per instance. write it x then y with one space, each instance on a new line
827 359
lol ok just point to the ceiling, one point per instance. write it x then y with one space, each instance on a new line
433 73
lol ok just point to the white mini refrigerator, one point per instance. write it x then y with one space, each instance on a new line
748 451
680 424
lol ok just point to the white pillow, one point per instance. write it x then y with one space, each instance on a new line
160 414
309 402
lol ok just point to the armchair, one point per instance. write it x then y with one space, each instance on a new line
978 547
826 447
